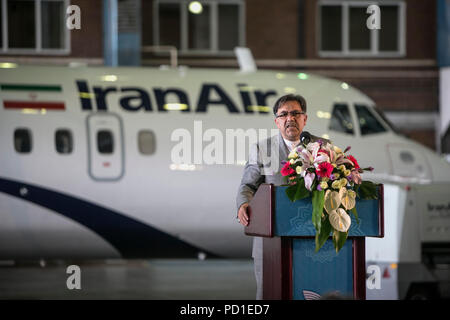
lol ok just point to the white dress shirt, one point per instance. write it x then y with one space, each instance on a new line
291 144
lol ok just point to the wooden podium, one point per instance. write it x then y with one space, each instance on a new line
291 267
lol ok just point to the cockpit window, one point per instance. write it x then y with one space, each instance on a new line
341 120
386 120
367 121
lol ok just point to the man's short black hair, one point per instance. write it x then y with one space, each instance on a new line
289 97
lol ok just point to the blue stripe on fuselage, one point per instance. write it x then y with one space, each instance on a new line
133 239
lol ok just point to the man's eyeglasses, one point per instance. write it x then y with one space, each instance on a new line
284 114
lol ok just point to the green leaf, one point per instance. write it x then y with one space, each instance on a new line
291 191
324 233
356 189
317 203
297 191
339 239
368 190
302 192
355 213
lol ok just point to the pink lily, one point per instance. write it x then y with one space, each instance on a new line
342 160
356 177
310 157
309 178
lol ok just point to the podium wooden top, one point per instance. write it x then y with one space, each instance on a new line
261 212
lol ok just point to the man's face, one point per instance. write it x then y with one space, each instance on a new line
290 126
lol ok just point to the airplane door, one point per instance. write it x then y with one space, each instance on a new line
105 145
408 162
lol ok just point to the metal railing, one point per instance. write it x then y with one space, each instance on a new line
171 49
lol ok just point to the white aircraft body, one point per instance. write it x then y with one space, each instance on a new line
87 166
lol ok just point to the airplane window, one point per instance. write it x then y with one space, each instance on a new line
146 142
341 119
63 141
22 140
105 141
367 121
386 120
406 157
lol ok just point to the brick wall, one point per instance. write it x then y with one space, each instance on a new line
88 41
425 137
420 29
272 28
400 94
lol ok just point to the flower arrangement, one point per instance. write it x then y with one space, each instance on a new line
333 181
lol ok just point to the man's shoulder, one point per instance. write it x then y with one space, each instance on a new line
268 141
275 139
316 138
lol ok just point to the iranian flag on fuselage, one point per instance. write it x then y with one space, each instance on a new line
32 96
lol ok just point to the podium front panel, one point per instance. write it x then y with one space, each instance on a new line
291 267
317 274
294 218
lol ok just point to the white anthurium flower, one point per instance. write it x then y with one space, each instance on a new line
340 220
347 198
331 201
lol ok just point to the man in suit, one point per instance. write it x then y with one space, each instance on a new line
264 162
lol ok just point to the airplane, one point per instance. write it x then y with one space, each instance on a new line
138 162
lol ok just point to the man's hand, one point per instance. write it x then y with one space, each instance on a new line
242 214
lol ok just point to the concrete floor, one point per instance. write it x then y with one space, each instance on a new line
132 279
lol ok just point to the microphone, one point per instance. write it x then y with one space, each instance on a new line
305 138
